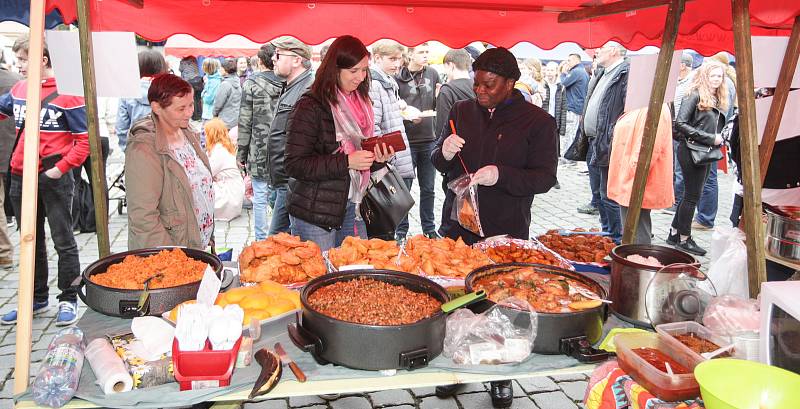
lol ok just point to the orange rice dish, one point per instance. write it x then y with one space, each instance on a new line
175 267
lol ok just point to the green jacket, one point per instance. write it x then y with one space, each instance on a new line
159 197
259 98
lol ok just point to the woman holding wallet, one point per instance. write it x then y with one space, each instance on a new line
699 125
328 170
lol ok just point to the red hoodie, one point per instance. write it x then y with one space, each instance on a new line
62 127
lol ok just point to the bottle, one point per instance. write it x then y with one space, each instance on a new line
58 377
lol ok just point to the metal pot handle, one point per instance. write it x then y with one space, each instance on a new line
79 285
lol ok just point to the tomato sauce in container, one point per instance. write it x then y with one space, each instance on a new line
644 356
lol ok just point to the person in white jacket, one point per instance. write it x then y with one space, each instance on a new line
228 180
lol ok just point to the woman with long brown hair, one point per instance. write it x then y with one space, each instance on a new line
228 180
699 125
328 169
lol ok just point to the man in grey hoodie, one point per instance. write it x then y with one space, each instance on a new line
229 95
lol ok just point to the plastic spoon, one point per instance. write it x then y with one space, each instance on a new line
718 351
669 368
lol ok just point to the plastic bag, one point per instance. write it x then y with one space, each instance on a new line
502 334
465 208
730 315
738 318
728 269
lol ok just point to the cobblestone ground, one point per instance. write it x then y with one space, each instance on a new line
556 209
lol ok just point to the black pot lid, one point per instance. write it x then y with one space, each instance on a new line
678 295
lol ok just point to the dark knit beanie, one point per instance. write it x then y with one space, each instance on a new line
499 61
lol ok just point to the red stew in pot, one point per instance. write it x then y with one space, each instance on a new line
657 359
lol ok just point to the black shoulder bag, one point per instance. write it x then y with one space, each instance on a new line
385 203
704 154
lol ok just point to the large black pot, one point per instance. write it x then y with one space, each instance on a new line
124 303
371 347
570 333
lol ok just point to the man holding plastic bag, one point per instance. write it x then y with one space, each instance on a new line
497 153
506 147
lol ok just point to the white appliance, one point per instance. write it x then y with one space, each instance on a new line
780 325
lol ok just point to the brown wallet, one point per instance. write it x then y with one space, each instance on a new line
393 139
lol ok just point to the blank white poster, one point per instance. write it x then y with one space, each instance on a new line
116 64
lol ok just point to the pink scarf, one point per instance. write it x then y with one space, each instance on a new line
354 121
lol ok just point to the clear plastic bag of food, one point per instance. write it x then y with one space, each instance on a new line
502 334
465 207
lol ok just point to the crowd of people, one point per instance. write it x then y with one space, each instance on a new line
272 131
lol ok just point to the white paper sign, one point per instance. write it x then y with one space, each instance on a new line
209 287
640 80
768 55
116 64
790 122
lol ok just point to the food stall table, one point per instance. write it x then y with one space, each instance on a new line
323 379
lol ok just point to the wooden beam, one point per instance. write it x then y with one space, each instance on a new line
609 9
748 135
30 198
779 99
653 116
98 167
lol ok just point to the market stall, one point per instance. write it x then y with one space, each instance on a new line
108 15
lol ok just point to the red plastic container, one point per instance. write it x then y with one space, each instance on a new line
664 386
203 369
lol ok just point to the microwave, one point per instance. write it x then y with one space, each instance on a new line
779 344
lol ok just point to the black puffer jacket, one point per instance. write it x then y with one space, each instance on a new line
319 180
277 131
699 126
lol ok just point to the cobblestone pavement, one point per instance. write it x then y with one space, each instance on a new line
556 209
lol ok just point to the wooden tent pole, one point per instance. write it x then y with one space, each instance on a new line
653 116
30 197
607 9
779 99
748 135
98 167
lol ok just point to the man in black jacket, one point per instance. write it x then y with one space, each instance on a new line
418 83
292 61
605 103
512 147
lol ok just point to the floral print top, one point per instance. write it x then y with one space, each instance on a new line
200 181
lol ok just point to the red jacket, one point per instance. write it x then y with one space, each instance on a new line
62 127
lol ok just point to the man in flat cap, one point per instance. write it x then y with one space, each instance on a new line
512 148
292 62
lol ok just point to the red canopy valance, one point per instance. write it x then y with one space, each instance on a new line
705 25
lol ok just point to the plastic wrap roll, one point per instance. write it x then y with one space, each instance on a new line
111 373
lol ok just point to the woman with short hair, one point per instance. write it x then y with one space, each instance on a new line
169 185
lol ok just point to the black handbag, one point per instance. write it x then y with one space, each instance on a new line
703 154
579 148
385 203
